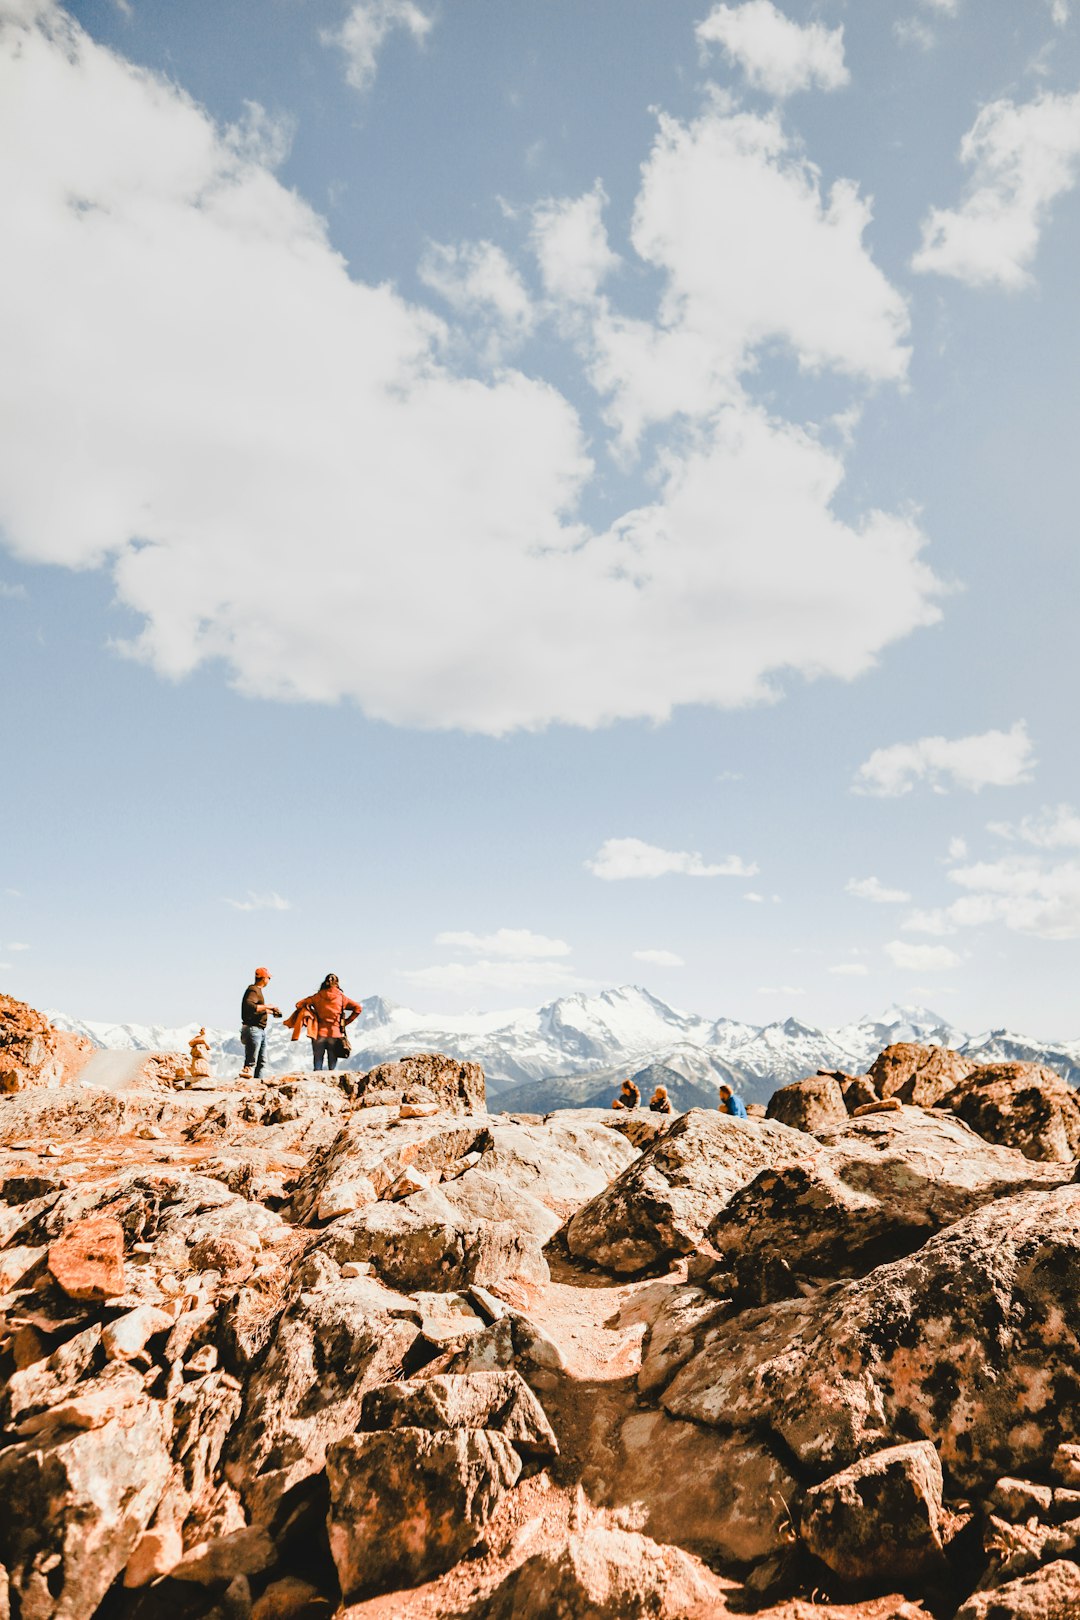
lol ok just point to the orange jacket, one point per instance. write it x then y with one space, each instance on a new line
320 1015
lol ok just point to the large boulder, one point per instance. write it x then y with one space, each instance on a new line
809 1105
456 1086
874 1189
406 1504
1049 1593
368 1154
500 1401
75 1504
33 1053
880 1519
917 1074
331 1346
1022 1105
661 1205
973 1343
605 1574
423 1241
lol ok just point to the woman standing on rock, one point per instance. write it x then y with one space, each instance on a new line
323 1017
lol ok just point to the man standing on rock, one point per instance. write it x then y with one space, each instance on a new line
730 1104
255 1014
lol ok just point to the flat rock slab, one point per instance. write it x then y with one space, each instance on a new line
497 1401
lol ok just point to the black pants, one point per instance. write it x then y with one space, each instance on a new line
326 1048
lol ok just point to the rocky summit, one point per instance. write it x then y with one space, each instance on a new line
350 1344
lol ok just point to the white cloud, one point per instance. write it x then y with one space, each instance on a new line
928 922
1021 159
662 959
1059 11
478 278
733 217
367 27
520 943
463 978
11 592
176 320
991 759
921 958
755 898
958 849
852 970
949 7
1024 893
632 858
913 31
1054 827
571 245
871 888
270 901
776 55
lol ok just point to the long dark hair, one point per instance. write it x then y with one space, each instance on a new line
330 980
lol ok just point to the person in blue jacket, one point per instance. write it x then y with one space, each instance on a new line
730 1104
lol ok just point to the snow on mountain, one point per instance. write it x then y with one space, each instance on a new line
612 1033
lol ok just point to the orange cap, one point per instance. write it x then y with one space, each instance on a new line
262 973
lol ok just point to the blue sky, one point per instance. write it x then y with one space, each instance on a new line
497 500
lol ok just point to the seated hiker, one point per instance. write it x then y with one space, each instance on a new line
322 1018
731 1104
629 1096
660 1102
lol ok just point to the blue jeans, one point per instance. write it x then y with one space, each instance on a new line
325 1048
254 1040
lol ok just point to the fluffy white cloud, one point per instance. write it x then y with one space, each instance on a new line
1059 11
1024 893
365 30
664 959
1054 827
520 943
632 858
871 888
732 215
1021 157
990 759
179 331
463 978
571 245
271 901
776 54
921 958
478 278
850 970
928 922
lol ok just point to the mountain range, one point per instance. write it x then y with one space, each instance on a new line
575 1050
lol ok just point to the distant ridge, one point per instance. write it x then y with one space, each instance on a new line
532 1055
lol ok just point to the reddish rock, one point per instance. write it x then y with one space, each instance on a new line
456 1086
87 1260
809 1105
32 1052
917 1074
602 1574
1049 1593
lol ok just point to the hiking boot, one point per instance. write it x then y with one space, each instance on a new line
246 1074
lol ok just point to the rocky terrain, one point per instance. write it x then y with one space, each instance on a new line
350 1345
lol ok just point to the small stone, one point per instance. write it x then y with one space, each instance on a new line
1065 1465
880 1518
357 1268
156 1553
1018 1499
244 1552
408 1182
1049 1593
15 1263
890 1105
418 1110
343 1197
204 1360
87 1260
291 1599
128 1335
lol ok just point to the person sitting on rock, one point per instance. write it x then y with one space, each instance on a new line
660 1102
323 1017
731 1104
629 1096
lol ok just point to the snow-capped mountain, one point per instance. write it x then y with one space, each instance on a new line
526 1053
